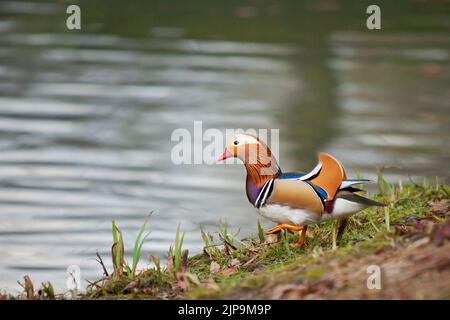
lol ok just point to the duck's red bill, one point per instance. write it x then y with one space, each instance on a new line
225 155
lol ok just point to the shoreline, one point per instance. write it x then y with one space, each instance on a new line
407 241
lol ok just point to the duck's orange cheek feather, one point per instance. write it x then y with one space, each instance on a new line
243 153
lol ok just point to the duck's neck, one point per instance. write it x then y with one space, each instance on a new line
258 174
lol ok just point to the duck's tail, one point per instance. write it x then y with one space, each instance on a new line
357 199
347 192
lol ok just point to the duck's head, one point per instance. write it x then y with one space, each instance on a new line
252 151
242 146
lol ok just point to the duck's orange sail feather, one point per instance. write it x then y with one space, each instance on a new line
330 176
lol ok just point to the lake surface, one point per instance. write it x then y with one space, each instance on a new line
86 120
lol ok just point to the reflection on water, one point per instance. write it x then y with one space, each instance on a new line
393 91
86 120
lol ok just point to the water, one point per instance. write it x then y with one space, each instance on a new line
86 120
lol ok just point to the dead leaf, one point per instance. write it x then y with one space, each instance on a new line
438 208
184 260
251 261
272 238
193 278
423 225
130 286
252 250
185 280
228 271
29 288
234 263
214 268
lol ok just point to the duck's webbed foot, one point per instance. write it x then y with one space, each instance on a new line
301 238
283 226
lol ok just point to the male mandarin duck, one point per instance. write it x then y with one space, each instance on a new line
295 200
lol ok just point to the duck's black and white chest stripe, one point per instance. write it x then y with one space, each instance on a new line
265 192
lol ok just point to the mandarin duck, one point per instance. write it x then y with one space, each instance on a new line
296 200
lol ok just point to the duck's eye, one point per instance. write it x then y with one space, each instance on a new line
236 142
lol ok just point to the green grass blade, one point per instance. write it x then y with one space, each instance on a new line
116 246
179 238
261 236
204 236
139 241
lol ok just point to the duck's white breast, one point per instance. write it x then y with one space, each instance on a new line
284 214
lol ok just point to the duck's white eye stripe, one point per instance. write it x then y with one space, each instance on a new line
243 138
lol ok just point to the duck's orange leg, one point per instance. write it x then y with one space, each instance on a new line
301 238
283 226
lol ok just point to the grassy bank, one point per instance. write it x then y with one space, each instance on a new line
407 240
